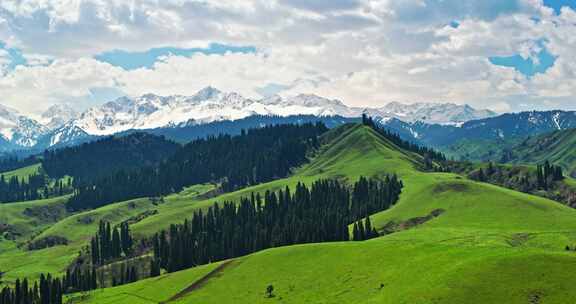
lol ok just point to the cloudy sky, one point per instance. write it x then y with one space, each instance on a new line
505 55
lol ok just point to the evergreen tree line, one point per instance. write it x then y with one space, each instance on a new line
15 189
9 163
321 213
518 179
254 156
428 153
79 280
48 291
110 243
35 186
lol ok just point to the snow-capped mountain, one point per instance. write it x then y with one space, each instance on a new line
57 116
61 125
503 127
434 113
209 105
17 130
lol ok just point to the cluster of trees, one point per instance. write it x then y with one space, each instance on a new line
80 280
547 174
16 189
49 291
363 230
254 156
371 195
517 177
128 274
35 186
92 160
321 213
430 155
110 243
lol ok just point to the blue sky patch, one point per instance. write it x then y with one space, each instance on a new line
527 66
454 24
558 4
135 60
15 56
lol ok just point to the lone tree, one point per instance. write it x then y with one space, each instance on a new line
269 291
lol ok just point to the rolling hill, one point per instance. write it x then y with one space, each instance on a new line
556 147
453 241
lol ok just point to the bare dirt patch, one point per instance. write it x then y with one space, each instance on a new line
392 226
451 187
47 242
51 213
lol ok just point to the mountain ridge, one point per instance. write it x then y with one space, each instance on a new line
61 125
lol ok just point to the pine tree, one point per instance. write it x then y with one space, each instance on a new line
369 230
116 245
154 268
361 231
356 232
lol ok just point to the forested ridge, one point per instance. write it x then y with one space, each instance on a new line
104 157
429 154
254 156
118 168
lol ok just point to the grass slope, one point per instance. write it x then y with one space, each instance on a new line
21 222
556 147
353 151
491 245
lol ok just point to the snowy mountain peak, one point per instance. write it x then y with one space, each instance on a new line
151 111
19 130
58 115
61 124
206 93
435 113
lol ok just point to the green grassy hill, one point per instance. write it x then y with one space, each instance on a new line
489 245
485 244
479 150
356 151
556 147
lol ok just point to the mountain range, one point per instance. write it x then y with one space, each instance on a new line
499 128
61 125
183 118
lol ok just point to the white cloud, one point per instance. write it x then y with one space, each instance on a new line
36 87
364 52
